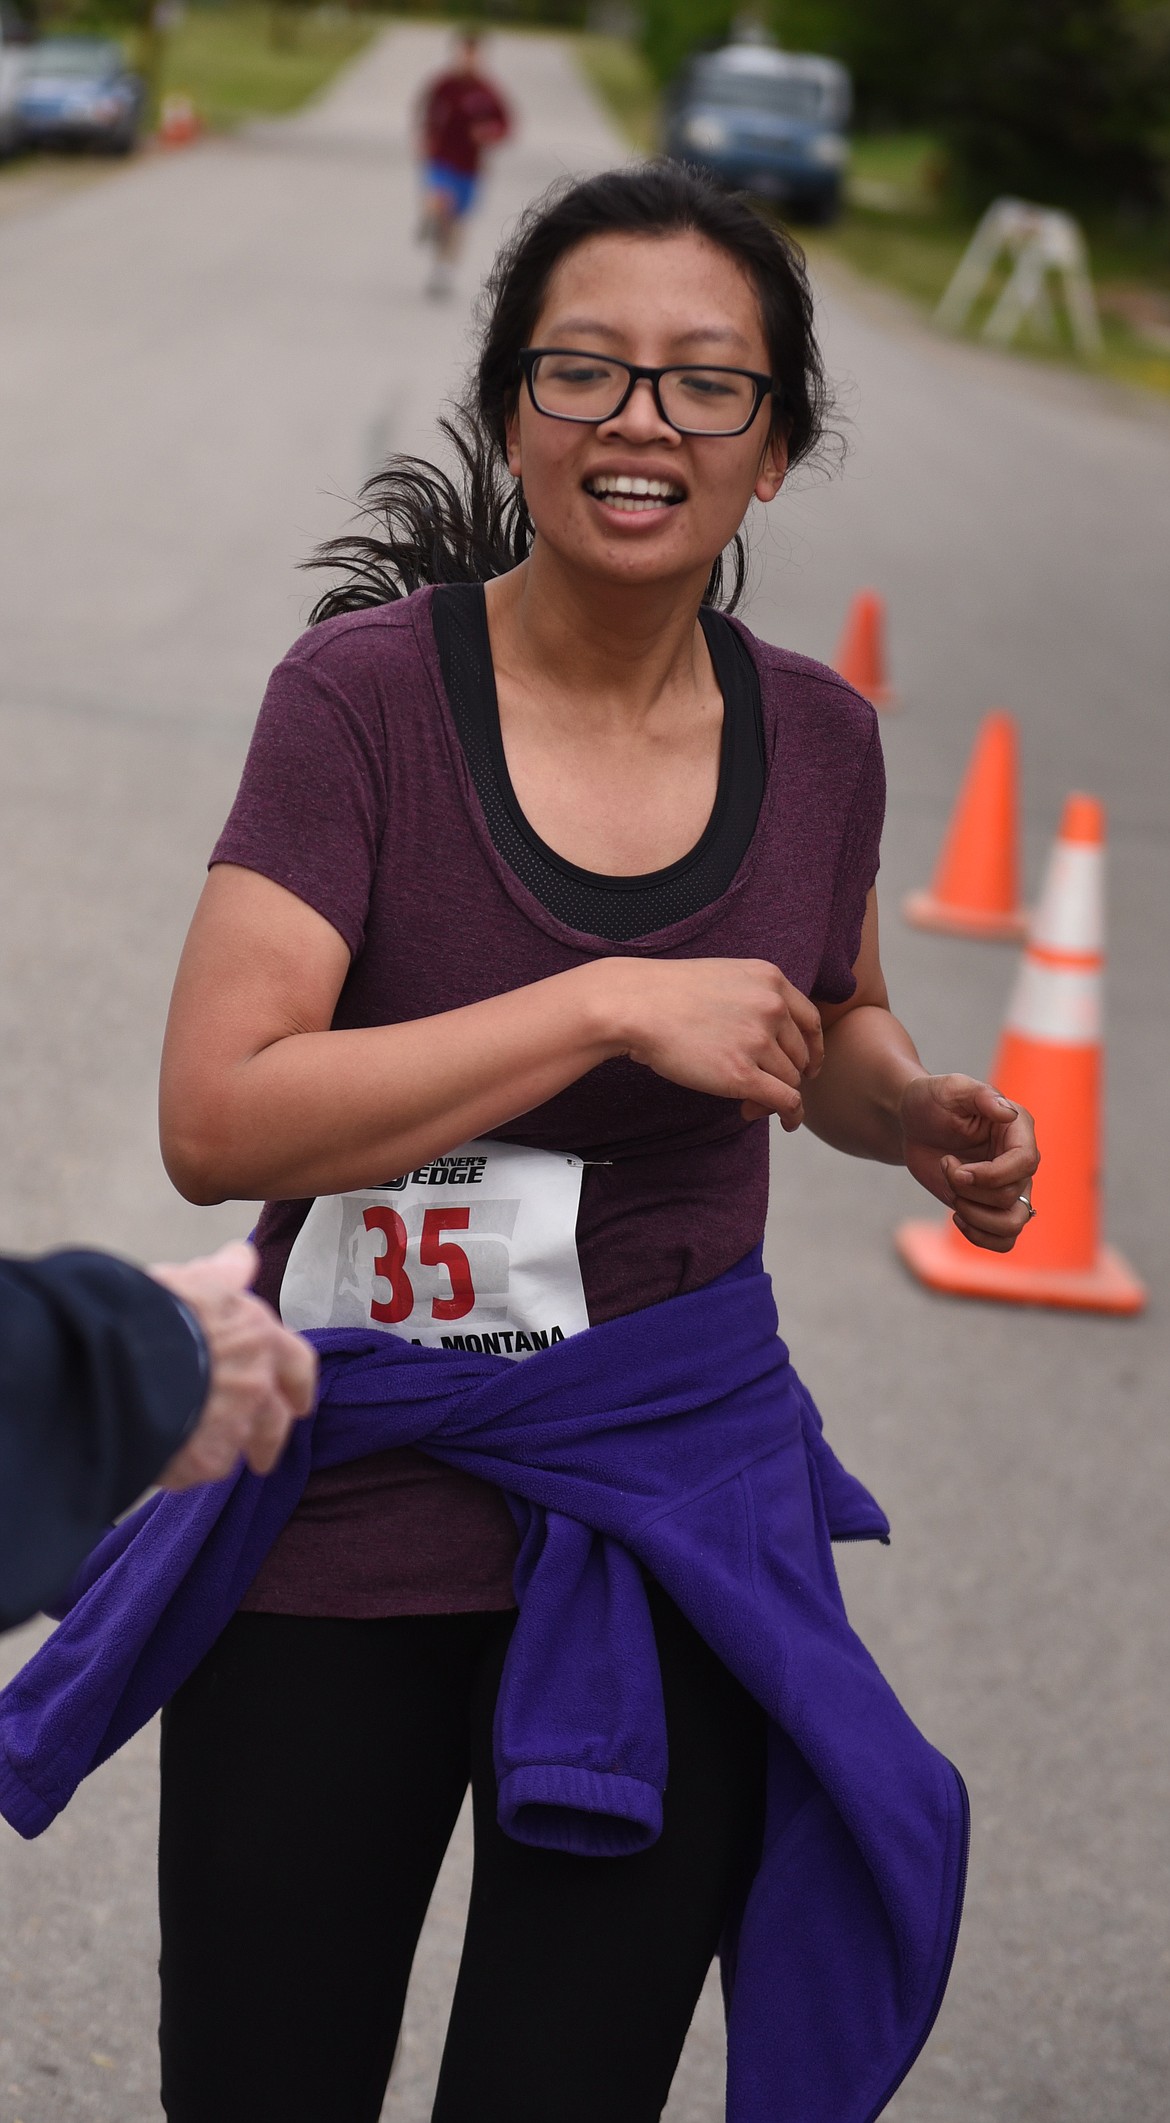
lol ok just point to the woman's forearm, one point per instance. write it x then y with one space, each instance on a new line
321 1112
855 1101
260 1095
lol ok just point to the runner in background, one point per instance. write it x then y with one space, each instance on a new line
460 114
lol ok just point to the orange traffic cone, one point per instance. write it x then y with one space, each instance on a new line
1049 1060
975 887
178 123
861 651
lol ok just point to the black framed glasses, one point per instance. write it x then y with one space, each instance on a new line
569 383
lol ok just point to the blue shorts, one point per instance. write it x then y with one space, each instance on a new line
458 187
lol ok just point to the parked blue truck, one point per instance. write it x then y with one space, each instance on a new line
764 121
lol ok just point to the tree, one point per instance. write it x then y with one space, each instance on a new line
891 47
1064 100
672 29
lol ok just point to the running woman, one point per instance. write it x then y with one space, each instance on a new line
546 885
461 114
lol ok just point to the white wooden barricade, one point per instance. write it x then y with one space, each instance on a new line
1042 241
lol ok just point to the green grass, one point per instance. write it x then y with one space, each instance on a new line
915 255
899 228
240 62
234 61
895 172
621 78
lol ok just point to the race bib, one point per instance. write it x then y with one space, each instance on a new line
475 1250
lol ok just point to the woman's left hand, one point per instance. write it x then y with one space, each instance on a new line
975 1151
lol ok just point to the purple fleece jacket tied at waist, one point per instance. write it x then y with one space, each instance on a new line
676 1440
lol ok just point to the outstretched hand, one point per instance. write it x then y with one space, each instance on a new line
971 1148
263 1378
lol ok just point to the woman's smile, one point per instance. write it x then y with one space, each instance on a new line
638 494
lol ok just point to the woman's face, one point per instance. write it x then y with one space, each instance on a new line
653 301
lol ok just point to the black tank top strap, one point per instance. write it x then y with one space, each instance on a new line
617 908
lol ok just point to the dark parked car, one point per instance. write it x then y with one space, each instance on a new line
765 121
79 91
15 35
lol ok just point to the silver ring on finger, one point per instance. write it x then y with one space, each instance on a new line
1027 1204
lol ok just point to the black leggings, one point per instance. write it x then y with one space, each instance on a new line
312 1774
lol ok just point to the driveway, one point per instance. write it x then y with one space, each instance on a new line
200 359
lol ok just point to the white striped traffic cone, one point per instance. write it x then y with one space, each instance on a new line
1049 1061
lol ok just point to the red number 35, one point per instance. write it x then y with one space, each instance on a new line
433 1252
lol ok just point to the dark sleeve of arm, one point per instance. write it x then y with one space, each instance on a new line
857 868
102 1376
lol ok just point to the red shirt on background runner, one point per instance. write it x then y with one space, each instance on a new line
462 115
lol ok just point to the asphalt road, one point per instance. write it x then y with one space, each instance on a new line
199 358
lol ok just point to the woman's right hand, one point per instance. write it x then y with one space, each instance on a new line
261 1096
734 1027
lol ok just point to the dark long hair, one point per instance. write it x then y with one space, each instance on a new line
431 526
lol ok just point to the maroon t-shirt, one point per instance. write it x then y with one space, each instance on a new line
457 106
357 797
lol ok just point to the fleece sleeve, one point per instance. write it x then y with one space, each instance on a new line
102 1376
